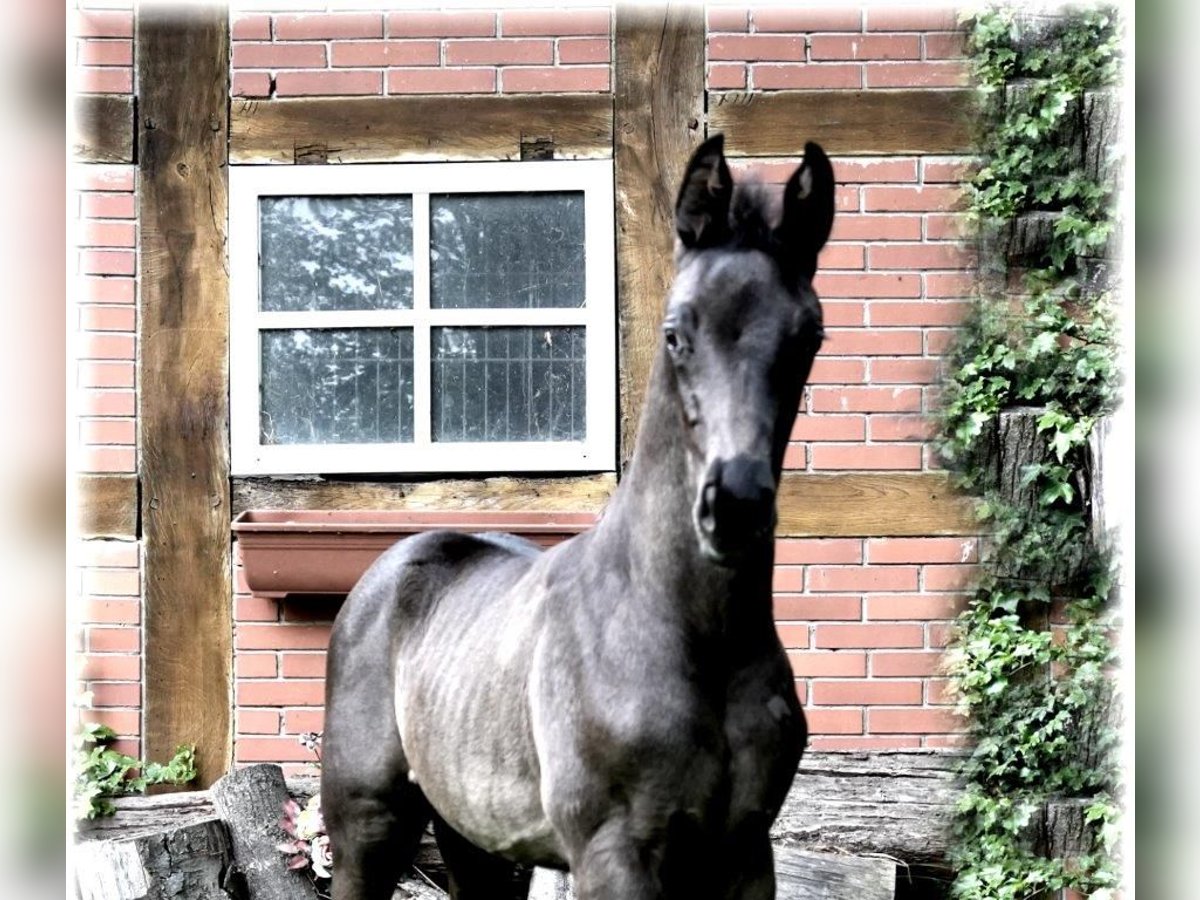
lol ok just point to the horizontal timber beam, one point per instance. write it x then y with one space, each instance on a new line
104 128
108 506
416 129
845 122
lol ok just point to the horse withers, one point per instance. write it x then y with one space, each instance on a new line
619 705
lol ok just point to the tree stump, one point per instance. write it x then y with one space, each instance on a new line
251 802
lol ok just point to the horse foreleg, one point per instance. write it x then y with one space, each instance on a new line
374 842
476 874
615 866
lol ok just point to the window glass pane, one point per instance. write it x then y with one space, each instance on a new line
508 384
337 386
322 253
507 250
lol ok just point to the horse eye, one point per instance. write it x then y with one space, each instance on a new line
672 339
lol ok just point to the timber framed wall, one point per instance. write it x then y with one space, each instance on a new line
874 548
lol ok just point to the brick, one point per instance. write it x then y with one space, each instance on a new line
251 28
278 56
824 608
904 371
114 640
271 749
106 374
256 665
806 77
282 637
298 721
756 47
107 318
829 428
939 634
945 45
304 665
576 51
916 74
905 665
865 46
901 427
866 693
949 284
499 52
441 81
255 609
868 636
107 206
949 169
101 177
105 53
726 77
728 19
109 554
793 636
107 262
911 18
106 345
821 743
555 79
257 721
812 19
110 694
328 83
953 741
921 256
122 721
898 285
251 84
108 459
862 171
828 663
913 721
938 341
103 23
876 228
554 23
847 198
111 582
863 342
103 80
842 314
787 578
891 607
447 24
865 399
107 431
946 227
834 721
801 551
922 550
326 26
841 579
842 256
949 578
834 370
106 234
940 692
111 667
107 403
280 693
915 199
869 456
795 457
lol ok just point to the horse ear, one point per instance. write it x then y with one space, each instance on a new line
702 208
807 212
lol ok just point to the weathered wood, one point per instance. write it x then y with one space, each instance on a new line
659 97
576 494
108 506
845 122
251 801
183 335
852 504
145 814
829 876
104 128
1102 157
414 129
188 861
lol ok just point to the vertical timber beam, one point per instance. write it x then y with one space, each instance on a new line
659 111
183 407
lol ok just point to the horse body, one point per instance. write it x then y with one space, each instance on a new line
619 705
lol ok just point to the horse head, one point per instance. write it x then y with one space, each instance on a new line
742 328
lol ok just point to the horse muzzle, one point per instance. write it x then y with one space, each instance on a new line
735 508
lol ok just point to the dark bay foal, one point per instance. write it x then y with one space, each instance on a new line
619 704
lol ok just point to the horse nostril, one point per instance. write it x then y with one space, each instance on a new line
708 506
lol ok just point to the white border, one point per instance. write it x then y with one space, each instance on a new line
597 453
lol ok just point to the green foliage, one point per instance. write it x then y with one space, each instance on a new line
102 773
1032 656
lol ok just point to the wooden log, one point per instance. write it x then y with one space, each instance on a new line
251 802
852 504
658 92
189 861
845 122
800 875
108 506
104 128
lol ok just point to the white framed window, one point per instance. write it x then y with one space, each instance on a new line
422 318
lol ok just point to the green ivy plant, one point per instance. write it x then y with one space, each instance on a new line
1032 654
102 773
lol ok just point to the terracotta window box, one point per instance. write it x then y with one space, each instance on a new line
326 551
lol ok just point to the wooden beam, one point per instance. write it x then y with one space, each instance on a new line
103 128
183 332
845 122
408 129
853 504
108 506
659 97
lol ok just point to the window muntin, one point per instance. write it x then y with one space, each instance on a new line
422 318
